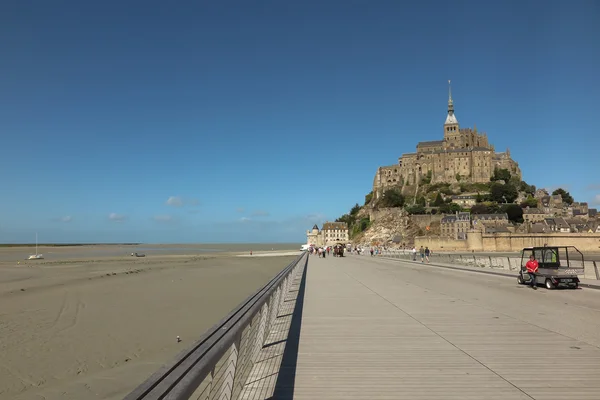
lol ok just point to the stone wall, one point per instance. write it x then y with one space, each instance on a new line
423 221
512 242
441 243
516 242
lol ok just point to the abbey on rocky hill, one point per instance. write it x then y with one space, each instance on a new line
463 155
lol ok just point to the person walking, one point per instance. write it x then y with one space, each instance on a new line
532 269
414 253
427 253
422 252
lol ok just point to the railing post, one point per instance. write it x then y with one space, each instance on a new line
286 286
595 270
284 292
491 265
274 306
205 395
226 389
262 333
509 266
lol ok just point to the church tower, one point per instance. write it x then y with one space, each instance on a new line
451 128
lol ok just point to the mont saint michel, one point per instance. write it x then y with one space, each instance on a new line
464 155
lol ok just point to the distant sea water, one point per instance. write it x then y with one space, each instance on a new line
117 250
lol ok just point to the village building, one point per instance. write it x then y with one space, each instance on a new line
464 200
456 226
533 215
480 221
331 234
558 224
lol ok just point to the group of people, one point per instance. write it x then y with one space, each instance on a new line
338 251
424 252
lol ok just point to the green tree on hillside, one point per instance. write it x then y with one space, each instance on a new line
450 208
426 180
503 193
368 197
501 174
529 202
566 196
416 209
439 200
392 198
525 187
514 212
480 198
348 219
480 208
364 224
354 210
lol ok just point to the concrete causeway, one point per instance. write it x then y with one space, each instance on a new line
374 328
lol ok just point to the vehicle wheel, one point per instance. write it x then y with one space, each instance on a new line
549 284
575 286
520 279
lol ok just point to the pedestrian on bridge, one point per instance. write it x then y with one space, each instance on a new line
532 269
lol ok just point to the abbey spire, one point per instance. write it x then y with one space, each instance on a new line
451 118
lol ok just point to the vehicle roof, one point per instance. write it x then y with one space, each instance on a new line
542 247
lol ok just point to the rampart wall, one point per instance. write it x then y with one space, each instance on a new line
511 242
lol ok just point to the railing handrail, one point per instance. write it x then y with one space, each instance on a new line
494 262
180 378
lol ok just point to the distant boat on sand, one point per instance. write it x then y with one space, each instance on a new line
36 256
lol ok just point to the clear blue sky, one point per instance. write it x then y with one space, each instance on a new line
244 112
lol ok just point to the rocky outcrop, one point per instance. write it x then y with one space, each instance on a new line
393 227
388 226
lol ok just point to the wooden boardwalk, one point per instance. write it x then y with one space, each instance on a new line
383 329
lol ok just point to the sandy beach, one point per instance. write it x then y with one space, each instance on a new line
83 328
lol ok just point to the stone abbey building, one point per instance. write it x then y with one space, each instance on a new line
463 155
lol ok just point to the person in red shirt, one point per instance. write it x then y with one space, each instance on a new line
532 269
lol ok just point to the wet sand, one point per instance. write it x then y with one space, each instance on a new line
19 253
97 327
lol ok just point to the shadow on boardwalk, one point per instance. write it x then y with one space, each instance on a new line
284 387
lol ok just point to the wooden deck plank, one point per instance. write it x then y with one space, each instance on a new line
368 334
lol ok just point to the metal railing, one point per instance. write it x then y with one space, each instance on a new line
589 268
507 263
219 363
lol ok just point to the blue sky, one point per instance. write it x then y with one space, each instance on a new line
243 112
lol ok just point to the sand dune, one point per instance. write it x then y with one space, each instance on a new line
96 328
